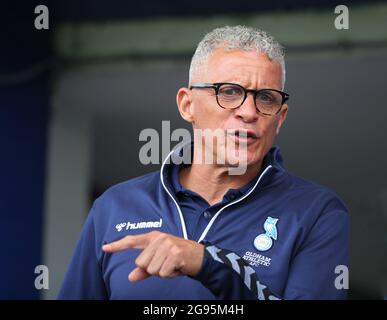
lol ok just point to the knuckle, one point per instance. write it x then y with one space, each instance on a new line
151 270
139 263
128 239
164 274
176 251
161 236
168 243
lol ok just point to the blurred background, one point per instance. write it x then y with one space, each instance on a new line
74 98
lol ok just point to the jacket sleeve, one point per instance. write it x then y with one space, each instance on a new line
229 277
83 279
311 271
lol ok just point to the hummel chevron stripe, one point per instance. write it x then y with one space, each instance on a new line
247 273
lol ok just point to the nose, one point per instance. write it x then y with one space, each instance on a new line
247 112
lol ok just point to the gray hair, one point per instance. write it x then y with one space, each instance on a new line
237 38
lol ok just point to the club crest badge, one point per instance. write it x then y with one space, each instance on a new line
264 241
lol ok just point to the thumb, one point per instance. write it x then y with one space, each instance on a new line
138 274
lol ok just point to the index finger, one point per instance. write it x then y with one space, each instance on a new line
139 241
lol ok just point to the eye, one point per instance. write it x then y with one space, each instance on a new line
266 97
230 91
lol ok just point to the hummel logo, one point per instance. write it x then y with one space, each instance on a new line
139 225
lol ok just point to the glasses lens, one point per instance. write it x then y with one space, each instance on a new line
230 96
268 101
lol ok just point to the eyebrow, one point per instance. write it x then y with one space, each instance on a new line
248 88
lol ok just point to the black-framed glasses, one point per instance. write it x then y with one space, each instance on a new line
232 96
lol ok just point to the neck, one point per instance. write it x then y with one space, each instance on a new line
212 181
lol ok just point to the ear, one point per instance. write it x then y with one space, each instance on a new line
282 117
184 103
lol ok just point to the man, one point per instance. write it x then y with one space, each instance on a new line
198 232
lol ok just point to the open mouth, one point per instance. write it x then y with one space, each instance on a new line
245 134
239 135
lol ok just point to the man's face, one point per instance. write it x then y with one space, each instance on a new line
251 70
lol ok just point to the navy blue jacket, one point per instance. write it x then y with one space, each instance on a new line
280 239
